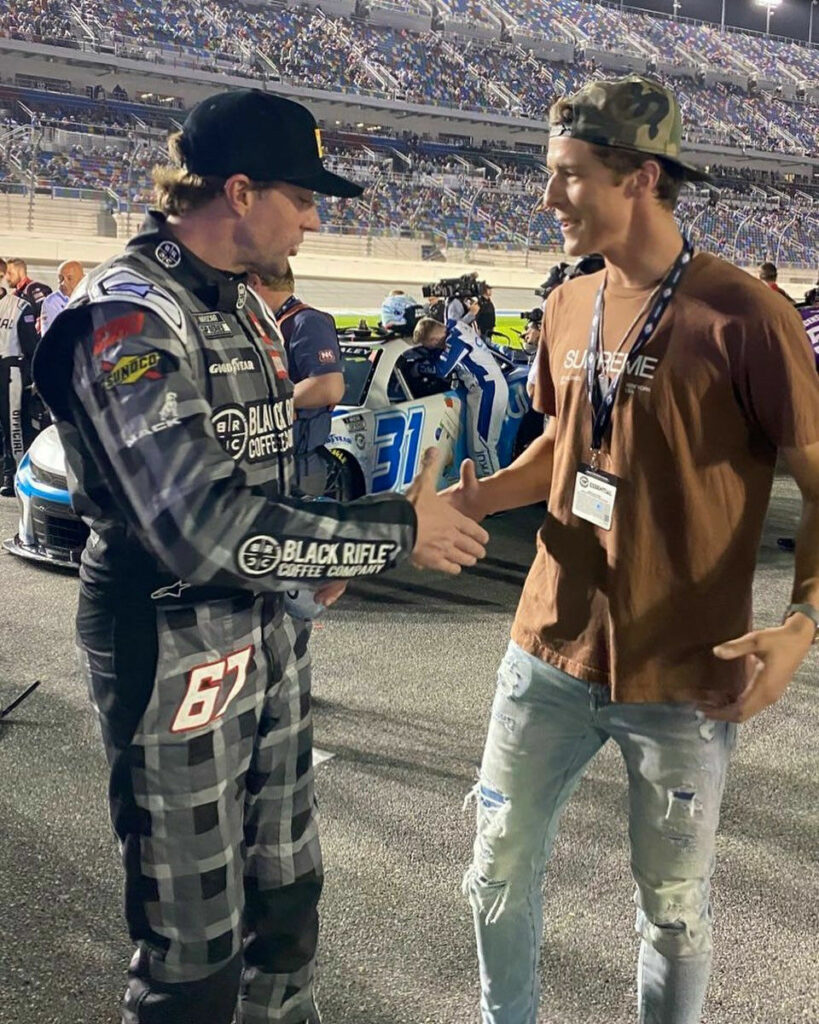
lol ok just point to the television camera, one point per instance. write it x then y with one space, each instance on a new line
467 286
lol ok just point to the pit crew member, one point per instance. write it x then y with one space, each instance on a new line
459 349
314 365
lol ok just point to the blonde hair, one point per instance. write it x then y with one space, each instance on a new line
426 329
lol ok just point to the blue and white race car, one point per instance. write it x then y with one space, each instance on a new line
392 410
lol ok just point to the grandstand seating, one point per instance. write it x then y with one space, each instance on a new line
303 45
416 187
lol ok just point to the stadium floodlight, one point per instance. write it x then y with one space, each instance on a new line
771 6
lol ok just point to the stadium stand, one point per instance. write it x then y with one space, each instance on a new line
104 144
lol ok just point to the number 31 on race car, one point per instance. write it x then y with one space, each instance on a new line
397 447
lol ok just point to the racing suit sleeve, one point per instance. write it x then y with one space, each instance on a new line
24 338
452 355
187 499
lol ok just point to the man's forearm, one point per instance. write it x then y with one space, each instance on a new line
806 571
526 480
315 392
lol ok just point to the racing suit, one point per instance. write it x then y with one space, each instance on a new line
13 313
487 393
50 308
168 384
810 315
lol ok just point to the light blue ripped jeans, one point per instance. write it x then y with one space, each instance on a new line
545 728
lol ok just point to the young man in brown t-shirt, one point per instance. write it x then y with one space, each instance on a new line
634 620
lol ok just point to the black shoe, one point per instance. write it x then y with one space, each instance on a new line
784 543
7 488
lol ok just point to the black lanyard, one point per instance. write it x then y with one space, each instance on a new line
602 405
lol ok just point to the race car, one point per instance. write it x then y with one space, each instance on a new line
49 530
392 410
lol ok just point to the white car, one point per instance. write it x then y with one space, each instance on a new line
392 410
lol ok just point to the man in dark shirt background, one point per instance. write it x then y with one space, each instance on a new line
768 273
485 320
314 364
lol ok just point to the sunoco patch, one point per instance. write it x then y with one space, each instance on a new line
130 369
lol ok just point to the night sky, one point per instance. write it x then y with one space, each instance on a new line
791 18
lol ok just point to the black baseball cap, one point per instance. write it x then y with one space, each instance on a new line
262 135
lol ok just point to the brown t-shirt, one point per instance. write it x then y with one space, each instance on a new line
727 378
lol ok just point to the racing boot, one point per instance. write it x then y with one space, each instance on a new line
7 487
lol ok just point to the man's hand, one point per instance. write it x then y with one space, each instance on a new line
329 593
446 539
466 496
775 656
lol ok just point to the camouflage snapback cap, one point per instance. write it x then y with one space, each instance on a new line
630 113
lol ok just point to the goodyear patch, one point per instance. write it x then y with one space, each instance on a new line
115 331
130 369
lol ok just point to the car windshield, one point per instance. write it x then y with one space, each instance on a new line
358 365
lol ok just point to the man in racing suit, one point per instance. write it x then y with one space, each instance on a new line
12 311
458 348
168 382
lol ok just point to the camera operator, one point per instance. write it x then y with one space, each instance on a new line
458 293
531 341
486 318
458 348
559 273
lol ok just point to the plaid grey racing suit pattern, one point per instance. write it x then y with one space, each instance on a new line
167 381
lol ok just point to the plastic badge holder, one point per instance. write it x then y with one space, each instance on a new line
301 604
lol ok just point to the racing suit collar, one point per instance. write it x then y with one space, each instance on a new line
217 289
21 286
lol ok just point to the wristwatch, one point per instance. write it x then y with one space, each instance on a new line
810 610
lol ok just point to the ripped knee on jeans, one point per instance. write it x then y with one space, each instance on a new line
677 927
488 895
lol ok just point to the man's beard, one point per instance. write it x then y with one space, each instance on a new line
270 267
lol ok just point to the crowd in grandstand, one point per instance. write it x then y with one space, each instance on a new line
305 46
461 195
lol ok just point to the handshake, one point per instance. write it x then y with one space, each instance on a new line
448 536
